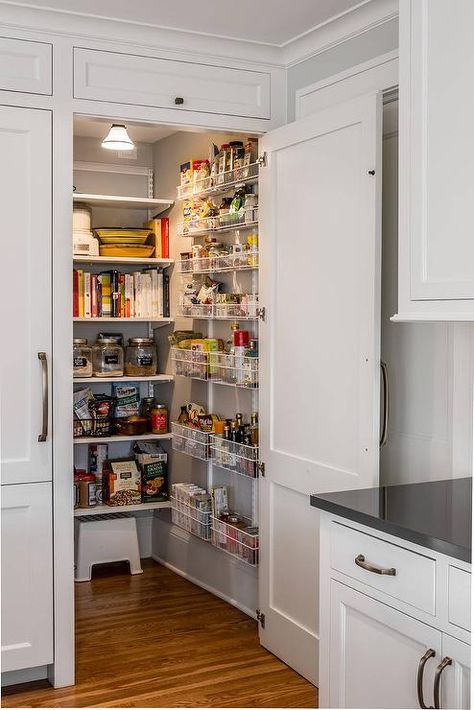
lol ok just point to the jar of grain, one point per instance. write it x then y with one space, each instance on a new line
141 359
107 358
81 358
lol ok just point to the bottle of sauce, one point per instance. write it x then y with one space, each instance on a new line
254 428
159 419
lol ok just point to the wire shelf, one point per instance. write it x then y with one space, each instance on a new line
219 367
219 264
247 174
246 310
238 458
244 219
242 543
192 442
191 517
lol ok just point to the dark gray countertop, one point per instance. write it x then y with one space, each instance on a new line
435 514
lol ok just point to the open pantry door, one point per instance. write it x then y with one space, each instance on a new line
320 205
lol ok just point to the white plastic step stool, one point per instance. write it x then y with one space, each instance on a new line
109 538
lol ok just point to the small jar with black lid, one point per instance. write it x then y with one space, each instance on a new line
141 359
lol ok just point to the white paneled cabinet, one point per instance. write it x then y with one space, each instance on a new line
27 576
455 688
165 83
26 66
26 293
436 249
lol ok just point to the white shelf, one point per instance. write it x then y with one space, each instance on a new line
230 179
125 378
122 260
137 203
226 228
118 438
107 319
105 509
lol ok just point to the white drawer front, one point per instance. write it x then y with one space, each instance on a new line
26 66
145 81
459 597
414 579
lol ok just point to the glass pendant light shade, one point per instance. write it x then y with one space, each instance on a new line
118 139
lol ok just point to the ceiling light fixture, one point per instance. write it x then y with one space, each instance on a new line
117 138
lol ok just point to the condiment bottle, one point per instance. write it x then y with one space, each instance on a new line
148 404
254 428
159 419
183 418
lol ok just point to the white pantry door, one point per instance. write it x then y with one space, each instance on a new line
25 294
320 350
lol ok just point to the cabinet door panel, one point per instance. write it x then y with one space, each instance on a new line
26 66
374 653
456 678
27 576
25 186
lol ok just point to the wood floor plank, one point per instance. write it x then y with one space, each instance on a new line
157 640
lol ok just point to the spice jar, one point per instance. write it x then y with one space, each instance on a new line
159 419
81 358
141 358
107 358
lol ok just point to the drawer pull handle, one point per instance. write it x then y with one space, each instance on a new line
419 678
445 662
179 101
360 562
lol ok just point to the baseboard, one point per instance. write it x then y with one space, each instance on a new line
207 587
26 675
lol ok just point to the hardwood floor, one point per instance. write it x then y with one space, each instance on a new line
157 640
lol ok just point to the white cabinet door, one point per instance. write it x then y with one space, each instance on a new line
455 678
436 155
26 66
187 86
375 653
26 292
319 396
27 576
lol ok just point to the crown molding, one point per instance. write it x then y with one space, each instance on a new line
369 14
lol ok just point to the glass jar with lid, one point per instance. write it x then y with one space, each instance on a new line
107 358
141 359
81 358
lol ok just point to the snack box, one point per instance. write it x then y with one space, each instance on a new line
121 482
152 462
189 171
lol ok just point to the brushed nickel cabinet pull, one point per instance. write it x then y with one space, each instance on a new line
437 679
360 562
419 677
45 395
386 404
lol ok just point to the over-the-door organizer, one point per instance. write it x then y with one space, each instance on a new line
219 282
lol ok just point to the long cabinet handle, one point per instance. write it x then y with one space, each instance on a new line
360 562
45 395
419 677
386 404
437 679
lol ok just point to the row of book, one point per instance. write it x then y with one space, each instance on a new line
141 294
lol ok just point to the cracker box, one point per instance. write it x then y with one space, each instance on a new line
152 461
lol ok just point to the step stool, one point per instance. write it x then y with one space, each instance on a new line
109 538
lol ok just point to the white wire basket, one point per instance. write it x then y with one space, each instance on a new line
235 457
191 518
240 543
195 227
247 309
219 264
219 183
222 368
190 441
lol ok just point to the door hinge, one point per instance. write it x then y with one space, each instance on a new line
261 313
261 618
262 161
261 468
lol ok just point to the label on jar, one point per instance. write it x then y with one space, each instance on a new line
144 360
92 494
159 422
111 359
80 362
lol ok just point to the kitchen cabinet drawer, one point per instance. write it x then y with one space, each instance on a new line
414 578
146 81
26 66
459 597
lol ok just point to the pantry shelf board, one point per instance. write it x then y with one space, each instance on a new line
117 438
134 203
107 319
125 378
212 230
122 260
106 509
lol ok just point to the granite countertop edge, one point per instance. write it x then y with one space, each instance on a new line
436 544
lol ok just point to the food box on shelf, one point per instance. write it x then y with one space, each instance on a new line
152 461
121 482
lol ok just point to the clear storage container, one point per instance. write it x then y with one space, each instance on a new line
141 359
107 358
81 358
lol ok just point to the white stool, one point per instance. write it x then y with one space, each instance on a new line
106 538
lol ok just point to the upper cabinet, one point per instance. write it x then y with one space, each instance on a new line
26 66
165 83
436 245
